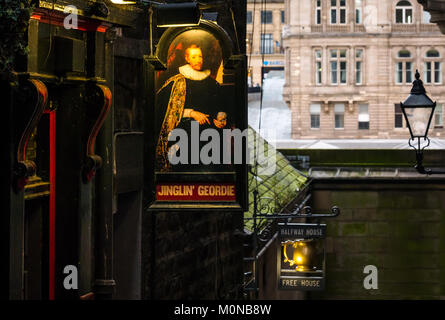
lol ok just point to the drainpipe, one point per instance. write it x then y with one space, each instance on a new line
104 284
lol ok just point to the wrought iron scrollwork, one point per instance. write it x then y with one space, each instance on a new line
25 168
96 95
419 156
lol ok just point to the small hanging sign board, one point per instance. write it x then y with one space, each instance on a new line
301 256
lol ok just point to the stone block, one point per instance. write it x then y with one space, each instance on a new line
376 228
353 229
355 199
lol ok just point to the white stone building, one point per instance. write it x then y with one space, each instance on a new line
348 63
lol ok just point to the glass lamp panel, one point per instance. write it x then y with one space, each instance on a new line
418 120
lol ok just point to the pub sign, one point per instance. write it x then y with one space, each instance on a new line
199 143
301 256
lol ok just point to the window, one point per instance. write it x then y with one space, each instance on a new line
363 117
266 43
358 66
249 16
338 66
318 12
338 11
358 12
426 17
318 67
339 112
398 116
404 67
404 12
282 16
438 116
315 116
433 68
266 17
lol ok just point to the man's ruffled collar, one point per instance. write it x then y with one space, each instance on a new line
190 73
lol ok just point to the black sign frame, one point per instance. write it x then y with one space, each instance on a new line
294 232
236 64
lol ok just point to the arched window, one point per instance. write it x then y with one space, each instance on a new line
404 67
432 72
433 54
404 12
404 54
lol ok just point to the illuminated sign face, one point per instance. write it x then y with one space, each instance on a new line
195 192
198 118
302 256
190 99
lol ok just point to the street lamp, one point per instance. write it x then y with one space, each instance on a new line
418 111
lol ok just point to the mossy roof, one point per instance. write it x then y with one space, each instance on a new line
275 189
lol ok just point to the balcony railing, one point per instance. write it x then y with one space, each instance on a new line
361 28
403 28
429 28
338 28
317 28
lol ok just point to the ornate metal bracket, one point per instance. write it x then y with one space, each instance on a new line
97 95
25 168
419 156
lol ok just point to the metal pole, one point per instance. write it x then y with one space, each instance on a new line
255 242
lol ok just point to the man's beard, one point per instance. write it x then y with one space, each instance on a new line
197 67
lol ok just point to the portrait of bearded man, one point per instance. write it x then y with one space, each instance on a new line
190 95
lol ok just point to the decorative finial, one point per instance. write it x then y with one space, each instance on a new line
418 85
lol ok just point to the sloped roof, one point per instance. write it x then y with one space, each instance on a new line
275 189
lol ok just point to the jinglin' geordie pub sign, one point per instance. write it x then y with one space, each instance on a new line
200 120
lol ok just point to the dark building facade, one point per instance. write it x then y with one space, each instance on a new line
76 184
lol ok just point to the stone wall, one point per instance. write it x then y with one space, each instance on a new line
396 225
192 255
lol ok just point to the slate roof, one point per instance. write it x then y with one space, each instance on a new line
275 190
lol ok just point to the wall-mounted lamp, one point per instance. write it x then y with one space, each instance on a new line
177 14
123 1
418 110
171 15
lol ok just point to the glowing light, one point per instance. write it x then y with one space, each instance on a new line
177 25
123 2
101 29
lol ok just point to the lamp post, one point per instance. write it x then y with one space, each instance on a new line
418 110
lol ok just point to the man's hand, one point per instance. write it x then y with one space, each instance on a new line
200 117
